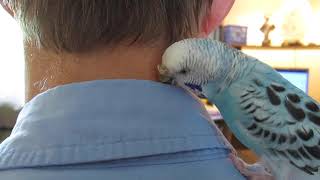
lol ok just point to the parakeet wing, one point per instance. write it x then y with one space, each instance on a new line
282 118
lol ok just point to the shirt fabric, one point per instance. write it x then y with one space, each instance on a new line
115 129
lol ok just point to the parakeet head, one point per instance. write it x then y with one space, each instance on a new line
195 62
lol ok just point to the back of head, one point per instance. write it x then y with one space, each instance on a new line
82 25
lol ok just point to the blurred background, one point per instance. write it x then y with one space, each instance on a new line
282 33
11 73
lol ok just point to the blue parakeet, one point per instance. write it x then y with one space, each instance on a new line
268 114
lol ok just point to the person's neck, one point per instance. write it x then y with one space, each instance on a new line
45 70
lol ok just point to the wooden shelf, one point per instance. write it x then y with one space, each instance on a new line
280 47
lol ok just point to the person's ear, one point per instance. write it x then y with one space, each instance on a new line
5 4
218 11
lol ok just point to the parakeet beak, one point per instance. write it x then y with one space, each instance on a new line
194 87
164 75
197 89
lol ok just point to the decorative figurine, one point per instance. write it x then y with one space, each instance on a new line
294 28
266 29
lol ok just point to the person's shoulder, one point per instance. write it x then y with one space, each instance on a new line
204 165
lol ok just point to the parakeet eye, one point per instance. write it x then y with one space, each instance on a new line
184 71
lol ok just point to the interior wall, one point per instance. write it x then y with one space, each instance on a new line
251 13
292 58
315 5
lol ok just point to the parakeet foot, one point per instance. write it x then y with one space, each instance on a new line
255 171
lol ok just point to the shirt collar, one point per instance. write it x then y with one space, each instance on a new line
106 120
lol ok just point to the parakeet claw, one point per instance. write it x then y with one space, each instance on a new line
252 172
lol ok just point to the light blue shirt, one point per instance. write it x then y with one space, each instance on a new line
117 130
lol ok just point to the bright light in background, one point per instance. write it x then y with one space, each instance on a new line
11 61
292 18
295 20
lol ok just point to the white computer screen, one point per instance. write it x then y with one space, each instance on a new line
299 78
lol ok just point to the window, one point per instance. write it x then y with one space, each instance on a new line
11 61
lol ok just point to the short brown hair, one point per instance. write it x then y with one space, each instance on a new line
80 25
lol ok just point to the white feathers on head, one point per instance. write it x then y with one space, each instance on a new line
174 56
198 61
192 55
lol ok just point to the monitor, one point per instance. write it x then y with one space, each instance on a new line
299 78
